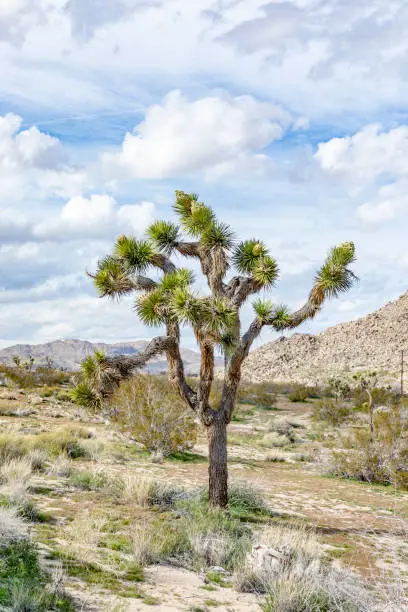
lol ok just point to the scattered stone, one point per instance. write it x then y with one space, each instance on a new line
373 342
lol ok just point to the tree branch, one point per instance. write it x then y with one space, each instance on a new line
206 379
240 288
176 366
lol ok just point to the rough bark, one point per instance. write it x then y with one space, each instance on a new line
218 467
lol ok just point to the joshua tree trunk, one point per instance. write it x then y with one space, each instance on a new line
218 468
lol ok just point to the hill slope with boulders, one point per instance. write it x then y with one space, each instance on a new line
373 342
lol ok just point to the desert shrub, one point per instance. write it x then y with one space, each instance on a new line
46 392
261 394
29 379
149 408
89 481
299 393
64 395
286 428
67 440
12 447
332 411
24 585
274 440
378 457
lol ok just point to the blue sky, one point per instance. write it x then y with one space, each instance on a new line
289 118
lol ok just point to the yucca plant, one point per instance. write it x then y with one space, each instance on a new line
170 301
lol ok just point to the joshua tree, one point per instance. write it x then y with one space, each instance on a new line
169 300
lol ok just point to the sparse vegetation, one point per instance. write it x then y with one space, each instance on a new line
299 393
155 415
333 411
24 585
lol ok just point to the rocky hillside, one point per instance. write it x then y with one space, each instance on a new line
373 342
69 354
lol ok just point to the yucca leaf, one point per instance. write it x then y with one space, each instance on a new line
85 396
180 278
151 307
183 203
165 235
112 278
199 220
265 271
217 234
136 253
263 309
281 317
247 254
187 307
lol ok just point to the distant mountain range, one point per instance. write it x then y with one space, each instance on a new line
69 354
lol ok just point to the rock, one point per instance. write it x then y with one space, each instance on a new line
264 560
220 570
35 400
372 343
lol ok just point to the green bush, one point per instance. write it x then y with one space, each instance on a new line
299 393
261 394
149 408
380 457
39 377
89 481
332 411
23 583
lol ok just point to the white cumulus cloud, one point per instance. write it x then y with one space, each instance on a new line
212 135
98 217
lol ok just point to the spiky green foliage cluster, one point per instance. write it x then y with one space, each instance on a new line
251 257
156 306
137 254
200 222
269 313
85 396
334 277
164 235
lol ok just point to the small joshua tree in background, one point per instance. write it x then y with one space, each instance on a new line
171 301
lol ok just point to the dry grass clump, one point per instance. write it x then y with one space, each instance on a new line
12 447
326 591
61 467
277 550
89 480
277 456
16 470
12 527
286 565
83 536
25 378
70 440
274 440
145 491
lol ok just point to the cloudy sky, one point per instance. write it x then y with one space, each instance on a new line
288 117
